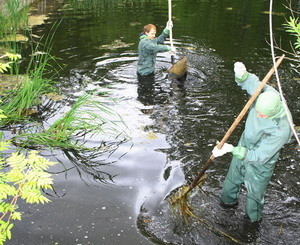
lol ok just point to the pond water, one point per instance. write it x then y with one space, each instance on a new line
118 198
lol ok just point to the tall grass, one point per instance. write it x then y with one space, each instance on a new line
25 98
34 84
13 16
86 117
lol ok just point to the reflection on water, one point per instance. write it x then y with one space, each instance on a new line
186 120
152 90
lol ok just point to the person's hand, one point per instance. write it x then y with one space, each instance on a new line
239 69
220 152
173 50
169 24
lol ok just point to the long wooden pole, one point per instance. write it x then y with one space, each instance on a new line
235 123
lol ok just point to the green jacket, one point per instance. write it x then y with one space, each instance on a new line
148 50
263 137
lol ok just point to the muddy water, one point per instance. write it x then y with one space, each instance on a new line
117 198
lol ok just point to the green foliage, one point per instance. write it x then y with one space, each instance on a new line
4 67
20 102
23 98
21 177
41 59
87 116
27 94
293 26
11 57
12 17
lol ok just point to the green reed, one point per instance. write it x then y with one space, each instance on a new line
19 103
86 117
13 16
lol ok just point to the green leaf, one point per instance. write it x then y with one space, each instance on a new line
4 145
16 216
13 57
4 67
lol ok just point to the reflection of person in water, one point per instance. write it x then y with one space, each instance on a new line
146 89
153 92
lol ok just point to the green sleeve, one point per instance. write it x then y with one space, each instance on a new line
250 82
155 48
162 37
239 152
166 31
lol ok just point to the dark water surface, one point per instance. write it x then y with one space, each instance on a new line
173 128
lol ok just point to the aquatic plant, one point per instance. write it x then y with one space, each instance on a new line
18 105
5 66
13 16
86 117
25 97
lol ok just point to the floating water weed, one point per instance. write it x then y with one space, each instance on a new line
178 199
182 209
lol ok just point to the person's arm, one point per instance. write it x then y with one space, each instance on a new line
155 48
261 153
248 81
162 37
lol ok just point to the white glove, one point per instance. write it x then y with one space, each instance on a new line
239 69
173 50
169 24
225 149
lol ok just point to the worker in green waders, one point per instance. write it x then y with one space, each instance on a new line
149 46
266 131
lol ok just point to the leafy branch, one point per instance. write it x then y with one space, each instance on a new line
12 57
25 177
20 177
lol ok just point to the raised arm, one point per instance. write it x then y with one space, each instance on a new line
248 81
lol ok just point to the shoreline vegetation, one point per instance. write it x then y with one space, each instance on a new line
24 175
22 102
4 9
